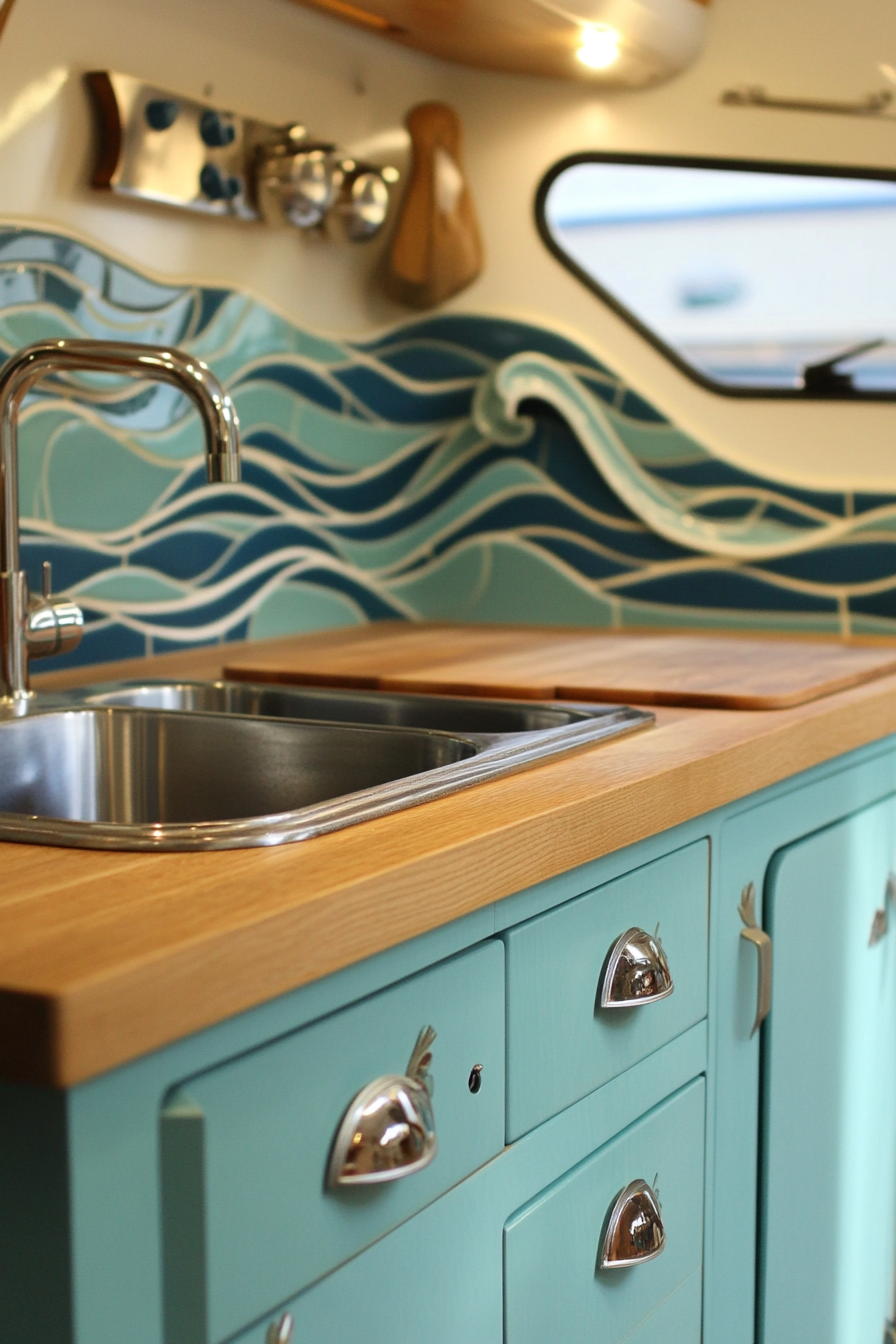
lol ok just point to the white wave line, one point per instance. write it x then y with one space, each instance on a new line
143 527
586 544
463 520
488 539
547 489
418 386
95 302
612 381
415 342
348 477
249 373
193 599
700 496
34 529
229 340
83 589
218 628
806 587
130 442
531 375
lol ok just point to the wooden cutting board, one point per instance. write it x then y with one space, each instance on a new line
540 663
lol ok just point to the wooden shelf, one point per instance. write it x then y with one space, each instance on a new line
519 36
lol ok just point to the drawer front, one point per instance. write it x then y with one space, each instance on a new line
561 1044
678 1321
554 1287
248 1219
434 1280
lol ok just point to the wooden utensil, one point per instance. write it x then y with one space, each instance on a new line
437 249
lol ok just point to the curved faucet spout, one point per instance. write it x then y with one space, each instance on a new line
32 627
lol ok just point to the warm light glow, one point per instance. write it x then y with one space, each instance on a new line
600 46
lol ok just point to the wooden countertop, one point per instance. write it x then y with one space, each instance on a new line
104 957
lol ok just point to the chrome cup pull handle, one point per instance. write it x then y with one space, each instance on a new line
634 1230
388 1131
636 971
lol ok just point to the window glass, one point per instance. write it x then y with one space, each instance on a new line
749 277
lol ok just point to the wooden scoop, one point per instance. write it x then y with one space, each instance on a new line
437 249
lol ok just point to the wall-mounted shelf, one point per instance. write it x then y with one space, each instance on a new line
536 37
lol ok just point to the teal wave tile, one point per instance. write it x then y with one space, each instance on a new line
127 289
37 426
860 624
19 285
297 608
459 444
479 493
167 428
882 524
367 459
94 484
656 445
503 580
124 586
634 614
343 441
22 326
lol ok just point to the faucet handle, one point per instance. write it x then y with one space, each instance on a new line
52 625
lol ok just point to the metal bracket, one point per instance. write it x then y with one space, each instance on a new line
754 95
156 145
763 944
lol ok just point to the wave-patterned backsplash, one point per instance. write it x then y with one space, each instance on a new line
396 477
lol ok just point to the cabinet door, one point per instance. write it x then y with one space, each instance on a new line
829 1065
249 1217
435 1280
556 1289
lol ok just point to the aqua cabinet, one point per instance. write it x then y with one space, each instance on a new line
247 1219
829 1086
555 1286
561 1044
801 1201
185 1199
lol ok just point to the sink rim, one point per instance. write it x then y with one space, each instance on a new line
494 756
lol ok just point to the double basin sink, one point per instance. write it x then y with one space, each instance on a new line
219 765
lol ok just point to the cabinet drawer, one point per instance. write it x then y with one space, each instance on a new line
434 1280
554 1286
248 1216
561 1044
678 1321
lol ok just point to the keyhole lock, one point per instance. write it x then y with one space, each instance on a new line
474 1082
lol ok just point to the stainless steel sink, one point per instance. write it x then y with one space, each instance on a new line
193 765
442 713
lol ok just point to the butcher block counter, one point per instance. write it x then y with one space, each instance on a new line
107 956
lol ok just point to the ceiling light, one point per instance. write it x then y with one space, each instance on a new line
600 46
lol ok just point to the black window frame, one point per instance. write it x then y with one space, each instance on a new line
801 169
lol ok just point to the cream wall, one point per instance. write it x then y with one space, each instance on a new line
272 59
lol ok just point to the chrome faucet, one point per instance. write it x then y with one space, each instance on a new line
35 627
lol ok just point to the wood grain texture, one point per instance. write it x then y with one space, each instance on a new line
5 13
492 34
437 249
512 35
104 957
702 671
